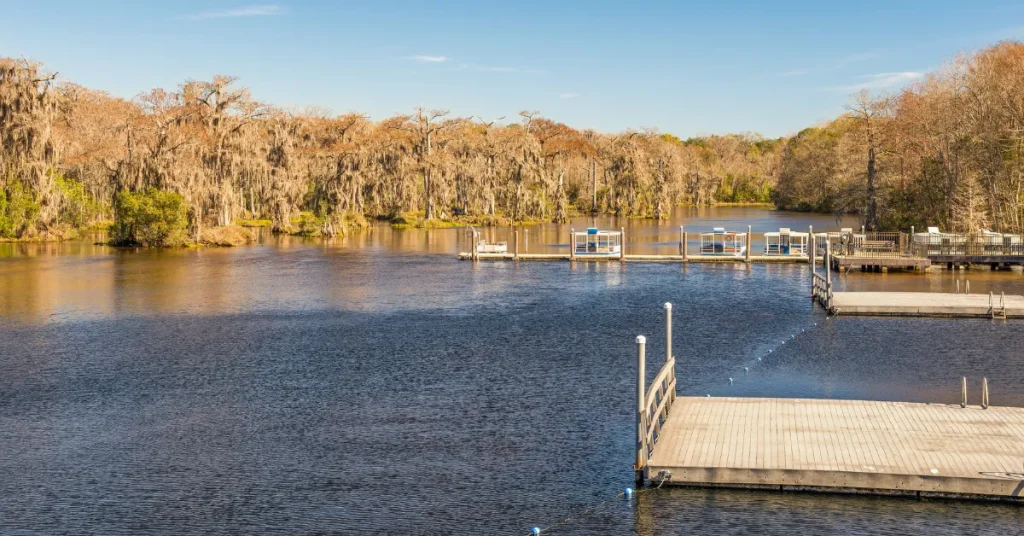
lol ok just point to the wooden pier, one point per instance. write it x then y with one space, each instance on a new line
763 259
942 304
840 446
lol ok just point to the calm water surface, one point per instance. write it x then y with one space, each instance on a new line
373 384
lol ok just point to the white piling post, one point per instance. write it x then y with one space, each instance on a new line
810 252
963 392
686 255
682 243
641 421
828 275
749 234
622 249
968 284
572 244
668 332
984 393
957 286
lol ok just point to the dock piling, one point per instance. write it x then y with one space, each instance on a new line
682 242
668 332
622 250
641 421
572 244
682 246
515 250
984 393
963 391
749 229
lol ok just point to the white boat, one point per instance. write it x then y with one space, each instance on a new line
935 242
597 243
786 242
722 242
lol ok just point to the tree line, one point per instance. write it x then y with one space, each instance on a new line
947 151
208 155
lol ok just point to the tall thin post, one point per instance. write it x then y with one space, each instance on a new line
622 248
593 178
812 243
668 332
686 254
749 229
810 252
475 254
828 275
572 244
963 392
984 393
516 250
641 421
682 244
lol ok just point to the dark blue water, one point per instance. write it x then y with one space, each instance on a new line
311 389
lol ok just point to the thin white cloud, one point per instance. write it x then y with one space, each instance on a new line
428 59
498 69
793 72
880 81
568 95
854 58
246 11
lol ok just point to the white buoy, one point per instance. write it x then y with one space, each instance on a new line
535 530
628 492
730 381
746 370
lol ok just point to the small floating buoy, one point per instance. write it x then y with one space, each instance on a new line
708 395
759 359
792 336
628 492
535 530
801 330
769 351
730 381
746 370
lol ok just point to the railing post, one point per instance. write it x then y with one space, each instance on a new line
516 250
474 253
749 230
963 391
810 252
641 420
968 285
984 393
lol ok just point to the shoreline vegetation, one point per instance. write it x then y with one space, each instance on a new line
205 163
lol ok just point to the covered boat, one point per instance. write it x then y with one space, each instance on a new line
597 243
722 242
786 242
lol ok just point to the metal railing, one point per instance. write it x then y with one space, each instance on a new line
872 244
957 245
653 404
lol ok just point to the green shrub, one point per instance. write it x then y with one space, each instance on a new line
18 210
150 218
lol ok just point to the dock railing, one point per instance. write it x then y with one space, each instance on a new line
653 404
960 245
871 244
821 291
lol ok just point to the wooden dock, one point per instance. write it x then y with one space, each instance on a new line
842 446
761 259
938 304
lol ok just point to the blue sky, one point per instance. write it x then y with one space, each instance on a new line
687 68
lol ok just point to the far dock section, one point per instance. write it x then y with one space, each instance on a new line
939 304
838 446
716 246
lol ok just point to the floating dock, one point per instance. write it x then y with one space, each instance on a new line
928 304
841 446
850 446
775 259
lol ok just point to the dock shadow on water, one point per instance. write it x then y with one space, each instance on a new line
373 388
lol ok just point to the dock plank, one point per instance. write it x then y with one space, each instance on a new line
843 445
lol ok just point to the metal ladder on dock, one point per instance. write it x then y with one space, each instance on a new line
997 311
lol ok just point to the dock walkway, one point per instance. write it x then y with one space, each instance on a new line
843 445
927 304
